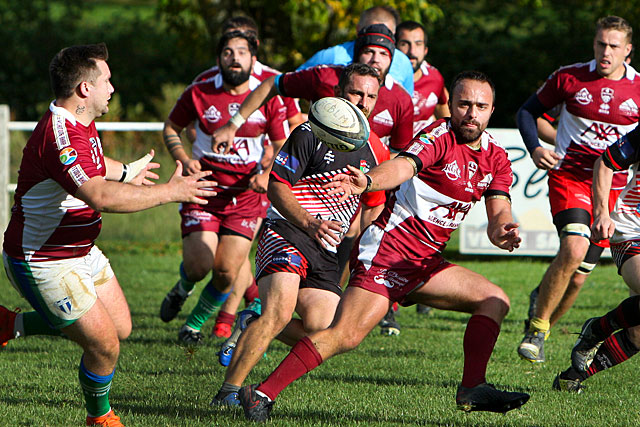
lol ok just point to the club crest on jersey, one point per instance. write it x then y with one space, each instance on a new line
64 305
68 156
583 96
287 161
364 166
212 115
329 157
629 107
472 167
452 171
233 108
606 94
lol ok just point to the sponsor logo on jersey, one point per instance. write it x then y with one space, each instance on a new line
416 147
78 175
449 215
390 278
364 166
68 156
484 183
329 157
196 217
60 132
233 108
384 118
583 96
601 134
257 117
606 94
629 107
287 161
472 167
64 305
250 224
452 171
432 100
212 115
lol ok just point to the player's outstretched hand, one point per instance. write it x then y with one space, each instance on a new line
189 189
602 228
222 139
325 232
191 167
545 159
506 236
145 176
347 184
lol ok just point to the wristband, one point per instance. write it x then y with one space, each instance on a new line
125 170
369 182
237 120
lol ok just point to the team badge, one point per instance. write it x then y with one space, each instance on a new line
452 171
606 94
583 96
472 167
364 166
233 108
68 156
64 305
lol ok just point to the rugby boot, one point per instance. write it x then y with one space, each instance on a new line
485 397
172 303
110 419
388 325
256 407
585 348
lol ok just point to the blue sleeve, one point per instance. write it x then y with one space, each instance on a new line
624 152
402 71
526 120
341 54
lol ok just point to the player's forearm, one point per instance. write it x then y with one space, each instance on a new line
369 214
115 197
171 138
498 216
602 177
390 174
526 121
257 98
114 169
283 199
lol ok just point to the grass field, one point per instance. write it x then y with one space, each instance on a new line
406 380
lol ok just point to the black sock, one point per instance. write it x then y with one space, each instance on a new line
613 351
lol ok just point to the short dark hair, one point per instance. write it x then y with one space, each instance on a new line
357 69
379 12
410 26
74 65
240 21
252 41
615 23
473 75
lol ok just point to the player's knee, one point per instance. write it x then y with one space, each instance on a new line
225 275
634 335
195 271
496 301
124 331
348 339
273 322
108 349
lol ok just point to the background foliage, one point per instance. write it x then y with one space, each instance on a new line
158 46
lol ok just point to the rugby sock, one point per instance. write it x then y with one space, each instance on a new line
479 339
185 284
31 323
302 358
96 390
541 325
224 317
625 315
210 300
614 350
251 293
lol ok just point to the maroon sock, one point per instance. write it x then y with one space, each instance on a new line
224 317
479 340
614 350
302 358
625 315
251 293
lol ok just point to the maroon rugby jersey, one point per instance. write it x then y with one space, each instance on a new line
261 72
391 118
305 164
428 92
424 211
47 221
210 106
596 113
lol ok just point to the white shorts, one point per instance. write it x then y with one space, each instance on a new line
61 291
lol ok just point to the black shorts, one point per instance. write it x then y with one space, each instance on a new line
296 253
621 252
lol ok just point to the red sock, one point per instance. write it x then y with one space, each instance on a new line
479 340
302 358
395 306
224 317
251 293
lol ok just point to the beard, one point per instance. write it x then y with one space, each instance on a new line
234 78
418 62
465 135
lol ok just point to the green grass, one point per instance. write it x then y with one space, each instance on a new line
405 380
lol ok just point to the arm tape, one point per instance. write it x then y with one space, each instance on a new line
131 170
498 196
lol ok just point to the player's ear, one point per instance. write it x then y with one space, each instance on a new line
83 89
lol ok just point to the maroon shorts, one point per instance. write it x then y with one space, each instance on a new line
384 267
238 215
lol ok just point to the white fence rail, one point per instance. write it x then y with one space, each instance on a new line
6 126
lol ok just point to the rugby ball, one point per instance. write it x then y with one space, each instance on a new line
339 124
